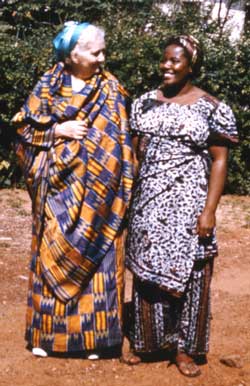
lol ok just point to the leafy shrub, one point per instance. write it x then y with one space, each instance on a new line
135 34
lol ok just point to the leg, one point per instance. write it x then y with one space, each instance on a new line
151 319
195 318
128 355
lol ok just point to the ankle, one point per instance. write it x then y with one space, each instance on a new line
183 356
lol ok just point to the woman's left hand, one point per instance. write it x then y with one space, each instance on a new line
206 223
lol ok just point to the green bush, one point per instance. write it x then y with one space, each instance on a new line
135 34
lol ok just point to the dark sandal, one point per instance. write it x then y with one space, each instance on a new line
130 359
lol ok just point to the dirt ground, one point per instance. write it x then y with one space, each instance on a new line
230 333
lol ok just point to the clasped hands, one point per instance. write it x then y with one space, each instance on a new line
71 129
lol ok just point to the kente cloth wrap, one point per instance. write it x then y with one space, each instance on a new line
172 185
90 321
80 190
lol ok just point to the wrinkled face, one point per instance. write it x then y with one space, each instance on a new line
175 65
87 58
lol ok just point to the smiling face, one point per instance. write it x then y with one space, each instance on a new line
175 65
86 58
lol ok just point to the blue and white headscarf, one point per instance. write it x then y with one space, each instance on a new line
66 39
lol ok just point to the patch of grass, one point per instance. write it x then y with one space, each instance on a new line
245 207
223 229
5 245
23 212
15 203
247 222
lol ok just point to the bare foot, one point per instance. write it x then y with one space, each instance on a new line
130 358
186 365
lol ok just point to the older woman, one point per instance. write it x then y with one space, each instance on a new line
75 151
183 135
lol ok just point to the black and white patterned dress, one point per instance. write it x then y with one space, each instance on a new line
170 192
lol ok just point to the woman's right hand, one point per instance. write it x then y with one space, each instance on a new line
71 129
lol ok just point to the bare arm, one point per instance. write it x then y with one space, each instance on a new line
206 221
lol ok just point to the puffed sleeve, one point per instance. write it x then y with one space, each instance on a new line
222 125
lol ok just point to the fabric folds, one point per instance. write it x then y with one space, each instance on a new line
80 190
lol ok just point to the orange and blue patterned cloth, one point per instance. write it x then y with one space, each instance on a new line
80 190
